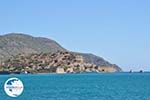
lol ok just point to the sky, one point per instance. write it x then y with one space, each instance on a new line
117 30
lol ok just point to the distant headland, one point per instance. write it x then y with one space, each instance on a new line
27 54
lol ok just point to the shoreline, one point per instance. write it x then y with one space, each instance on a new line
20 73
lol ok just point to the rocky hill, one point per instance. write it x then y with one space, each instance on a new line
15 48
14 44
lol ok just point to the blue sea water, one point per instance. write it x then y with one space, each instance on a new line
116 86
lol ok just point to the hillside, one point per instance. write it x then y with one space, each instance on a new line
13 45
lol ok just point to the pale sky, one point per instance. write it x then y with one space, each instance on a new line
117 30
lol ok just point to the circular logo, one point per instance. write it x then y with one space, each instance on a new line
13 87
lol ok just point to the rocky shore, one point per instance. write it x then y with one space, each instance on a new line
59 62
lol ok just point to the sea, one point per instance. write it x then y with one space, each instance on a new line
86 86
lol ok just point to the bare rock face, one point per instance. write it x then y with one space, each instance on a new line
20 52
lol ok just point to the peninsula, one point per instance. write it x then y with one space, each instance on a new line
25 53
